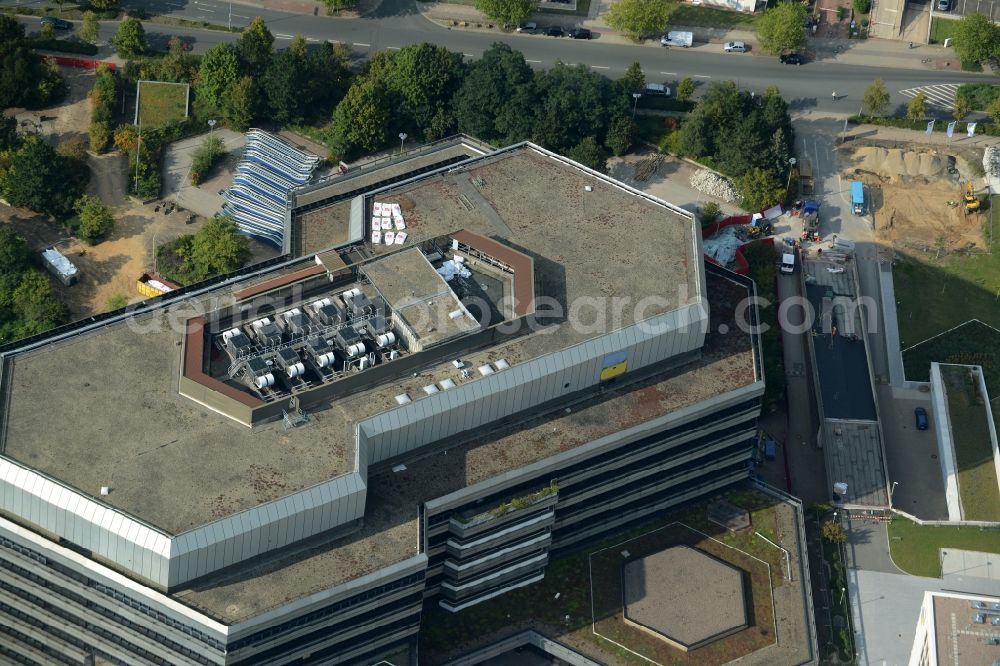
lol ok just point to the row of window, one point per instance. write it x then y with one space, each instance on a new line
38 645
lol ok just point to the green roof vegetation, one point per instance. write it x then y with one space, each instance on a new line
162 103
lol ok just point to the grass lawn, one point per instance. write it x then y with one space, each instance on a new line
707 17
977 478
444 634
162 103
941 29
914 547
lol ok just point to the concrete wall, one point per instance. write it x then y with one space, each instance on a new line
946 447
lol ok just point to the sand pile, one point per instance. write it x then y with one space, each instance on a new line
897 164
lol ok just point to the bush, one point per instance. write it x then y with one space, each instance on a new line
74 149
207 154
862 6
116 302
710 212
100 135
63 46
980 95
989 129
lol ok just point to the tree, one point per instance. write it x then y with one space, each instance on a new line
710 212
238 103
219 71
639 19
994 109
621 134
40 179
862 6
424 77
284 82
104 5
876 99
255 47
782 27
495 101
759 189
590 154
130 40
507 12
24 81
572 103
47 32
634 80
90 28
15 256
216 249
8 133
916 108
834 532
685 89
177 66
210 150
977 39
95 219
360 121
962 107
36 305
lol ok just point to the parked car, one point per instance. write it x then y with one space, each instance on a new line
57 23
921 416
944 5
529 27
658 89
580 33
554 31
791 59
735 47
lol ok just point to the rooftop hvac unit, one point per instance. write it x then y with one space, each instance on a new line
403 399
105 490
377 325
291 313
355 350
359 305
264 381
330 313
346 337
325 360
346 296
316 305
263 321
364 362
385 340
297 323
226 335
455 314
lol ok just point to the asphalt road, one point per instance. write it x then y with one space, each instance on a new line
397 23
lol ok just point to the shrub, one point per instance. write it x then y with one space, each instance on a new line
100 135
63 46
710 212
862 6
207 154
74 149
116 302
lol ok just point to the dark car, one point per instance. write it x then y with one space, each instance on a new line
791 59
57 23
580 33
921 415
554 31
944 5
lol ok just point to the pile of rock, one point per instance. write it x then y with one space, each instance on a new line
714 185
991 165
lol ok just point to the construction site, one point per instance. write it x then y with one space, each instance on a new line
920 198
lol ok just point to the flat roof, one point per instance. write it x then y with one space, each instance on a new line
854 456
726 363
959 639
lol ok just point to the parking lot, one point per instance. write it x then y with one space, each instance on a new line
990 8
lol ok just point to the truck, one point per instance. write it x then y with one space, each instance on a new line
677 38
806 177
60 266
858 197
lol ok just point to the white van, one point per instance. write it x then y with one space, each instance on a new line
788 263
660 89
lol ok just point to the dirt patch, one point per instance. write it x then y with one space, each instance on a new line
69 120
915 196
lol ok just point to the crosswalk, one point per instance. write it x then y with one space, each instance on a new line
941 95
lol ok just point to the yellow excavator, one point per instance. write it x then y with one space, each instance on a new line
972 202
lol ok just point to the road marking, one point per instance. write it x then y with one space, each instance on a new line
669 73
941 95
535 61
206 9
600 67
701 76
393 48
281 36
175 4
360 44
240 16
313 39
468 55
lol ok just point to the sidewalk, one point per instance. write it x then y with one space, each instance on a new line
878 133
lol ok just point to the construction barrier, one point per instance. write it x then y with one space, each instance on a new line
80 63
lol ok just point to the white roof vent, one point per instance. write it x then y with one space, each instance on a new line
486 370
105 490
403 399
431 389
455 314
446 384
502 364
398 468
458 363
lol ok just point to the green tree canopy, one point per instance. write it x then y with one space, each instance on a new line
759 189
876 99
8 133
962 107
285 80
634 80
104 5
621 134
496 100
782 27
994 110
15 256
589 153
216 249
507 12
95 218
90 28
573 103
685 89
219 71
639 18
424 78
130 40
33 307
255 47
360 121
916 108
24 81
42 180
977 39
238 104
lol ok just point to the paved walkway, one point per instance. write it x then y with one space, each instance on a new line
878 133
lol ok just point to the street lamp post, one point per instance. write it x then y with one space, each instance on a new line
635 103
791 165
230 15
402 138
211 128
